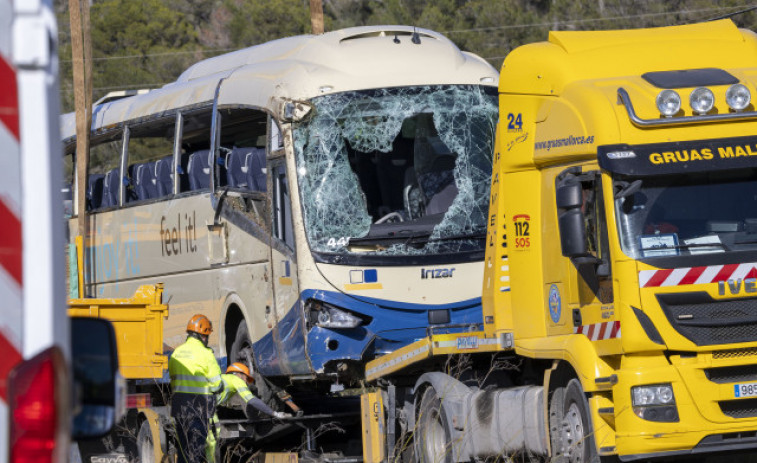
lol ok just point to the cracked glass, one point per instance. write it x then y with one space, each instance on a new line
397 171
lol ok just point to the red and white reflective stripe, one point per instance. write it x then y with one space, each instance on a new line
697 275
599 331
11 256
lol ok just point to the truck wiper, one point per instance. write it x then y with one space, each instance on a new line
687 246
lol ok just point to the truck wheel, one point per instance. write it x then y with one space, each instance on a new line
570 427
145 445
432 436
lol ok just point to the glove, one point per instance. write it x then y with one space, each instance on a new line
281 415
300 413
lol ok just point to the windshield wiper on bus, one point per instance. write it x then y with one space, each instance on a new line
417 238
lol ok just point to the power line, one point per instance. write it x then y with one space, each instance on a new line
168 53
589 20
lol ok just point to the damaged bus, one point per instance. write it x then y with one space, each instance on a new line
322 199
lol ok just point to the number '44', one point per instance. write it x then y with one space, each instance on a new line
514 122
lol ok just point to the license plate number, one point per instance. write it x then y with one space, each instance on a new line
745 390
467 342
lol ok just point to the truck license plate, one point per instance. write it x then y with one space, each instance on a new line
471 342
745 390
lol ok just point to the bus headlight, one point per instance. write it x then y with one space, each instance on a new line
655 403
702 100
326 315
738 97
668 102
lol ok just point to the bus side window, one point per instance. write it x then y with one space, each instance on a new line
282 208
194 164
276 140
104 172
150 153
67 189
242 149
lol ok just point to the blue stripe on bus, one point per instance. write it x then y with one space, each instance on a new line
394 324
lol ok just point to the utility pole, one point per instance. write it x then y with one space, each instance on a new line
316 17
82 66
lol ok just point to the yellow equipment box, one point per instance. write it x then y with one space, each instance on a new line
138 322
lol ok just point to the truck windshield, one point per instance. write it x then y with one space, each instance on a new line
397 171
697 213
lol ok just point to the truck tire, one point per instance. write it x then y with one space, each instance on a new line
571 432
145 445
432 434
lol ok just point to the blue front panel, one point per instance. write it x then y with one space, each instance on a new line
393 325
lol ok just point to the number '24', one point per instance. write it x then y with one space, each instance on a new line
514 122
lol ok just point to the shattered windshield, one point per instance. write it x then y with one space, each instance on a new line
397 171
696 213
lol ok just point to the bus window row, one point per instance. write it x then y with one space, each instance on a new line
239 168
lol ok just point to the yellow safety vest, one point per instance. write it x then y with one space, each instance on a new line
233 385
194 369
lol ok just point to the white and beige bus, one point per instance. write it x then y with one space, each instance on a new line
323 199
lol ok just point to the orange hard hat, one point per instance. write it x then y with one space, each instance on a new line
200 324
237 367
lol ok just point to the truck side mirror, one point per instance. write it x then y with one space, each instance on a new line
570 219
98 386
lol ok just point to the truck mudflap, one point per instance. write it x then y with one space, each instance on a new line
138 322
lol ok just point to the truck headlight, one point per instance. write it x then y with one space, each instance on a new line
655 403
326 315
668 103
702 100
738 97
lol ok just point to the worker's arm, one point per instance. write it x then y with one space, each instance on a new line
253 403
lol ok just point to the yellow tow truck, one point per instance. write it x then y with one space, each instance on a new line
619 306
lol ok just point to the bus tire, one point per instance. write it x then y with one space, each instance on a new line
571 432
432 435
241 348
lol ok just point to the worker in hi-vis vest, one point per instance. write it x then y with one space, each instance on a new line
195 378
236 383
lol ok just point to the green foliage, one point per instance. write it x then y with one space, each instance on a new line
148 43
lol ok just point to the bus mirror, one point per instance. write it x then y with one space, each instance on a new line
294 111
98 387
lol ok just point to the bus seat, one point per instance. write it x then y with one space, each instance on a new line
438 176
95 191
237 167
198 170
144 181
255 162
164 176
110 187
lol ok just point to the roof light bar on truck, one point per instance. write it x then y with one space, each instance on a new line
625 100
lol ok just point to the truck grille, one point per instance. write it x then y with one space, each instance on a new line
743 408
737 374
734 353
706 321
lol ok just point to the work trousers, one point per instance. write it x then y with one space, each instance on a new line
192 414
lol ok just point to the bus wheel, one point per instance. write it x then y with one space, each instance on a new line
145 444
432 435
241 348
570 426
